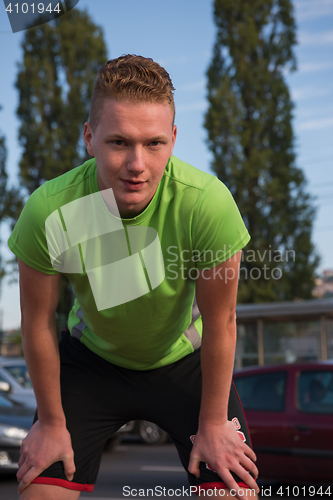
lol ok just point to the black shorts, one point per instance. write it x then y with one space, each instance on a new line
99 397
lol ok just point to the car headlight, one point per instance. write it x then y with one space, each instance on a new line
13 432
4 458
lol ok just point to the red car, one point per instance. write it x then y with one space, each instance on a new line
289 410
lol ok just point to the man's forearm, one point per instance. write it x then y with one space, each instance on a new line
42 356
217 361
217 442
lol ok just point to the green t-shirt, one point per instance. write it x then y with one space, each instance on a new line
133 279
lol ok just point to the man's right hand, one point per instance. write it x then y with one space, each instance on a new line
43 446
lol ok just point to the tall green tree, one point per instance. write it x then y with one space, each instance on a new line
10 200
3 189
251 137
55 83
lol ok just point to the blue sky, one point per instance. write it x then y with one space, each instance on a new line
180 36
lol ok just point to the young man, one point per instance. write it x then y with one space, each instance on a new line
139 233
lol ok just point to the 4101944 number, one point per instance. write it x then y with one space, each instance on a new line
311 491
39 8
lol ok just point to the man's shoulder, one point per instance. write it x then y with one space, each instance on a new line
74 183
186 175
195 188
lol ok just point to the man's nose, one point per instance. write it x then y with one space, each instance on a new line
136 161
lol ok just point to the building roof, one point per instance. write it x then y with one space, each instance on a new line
296 310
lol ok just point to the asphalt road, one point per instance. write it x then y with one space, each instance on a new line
133 471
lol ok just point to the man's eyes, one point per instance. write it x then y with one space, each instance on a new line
120 142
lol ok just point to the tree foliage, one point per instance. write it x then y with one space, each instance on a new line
251 137
3 186
55 83
10 199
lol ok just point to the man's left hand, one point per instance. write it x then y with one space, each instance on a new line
222 449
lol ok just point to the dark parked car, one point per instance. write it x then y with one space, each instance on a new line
139 430
149 432
15 422
289 409
15 381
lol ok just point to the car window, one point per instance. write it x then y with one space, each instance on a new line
20 374
5 403
315 391
263 392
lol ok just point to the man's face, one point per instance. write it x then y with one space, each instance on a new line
131 144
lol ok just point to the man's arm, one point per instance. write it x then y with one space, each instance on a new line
48 440
217 441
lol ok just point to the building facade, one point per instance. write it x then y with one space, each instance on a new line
284 332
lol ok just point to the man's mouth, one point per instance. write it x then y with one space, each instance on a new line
133 184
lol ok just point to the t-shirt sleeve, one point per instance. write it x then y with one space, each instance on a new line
219 230
28 239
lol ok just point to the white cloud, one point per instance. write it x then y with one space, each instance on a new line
311 109
313 67
315 39
308 9
308 92
316 124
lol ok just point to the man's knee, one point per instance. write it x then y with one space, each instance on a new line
48 492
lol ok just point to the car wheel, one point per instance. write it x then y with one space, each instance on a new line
151 433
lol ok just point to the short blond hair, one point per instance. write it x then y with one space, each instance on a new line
131 77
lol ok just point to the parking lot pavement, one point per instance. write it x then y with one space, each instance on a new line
132 467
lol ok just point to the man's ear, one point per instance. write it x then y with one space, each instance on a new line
88 135
174 135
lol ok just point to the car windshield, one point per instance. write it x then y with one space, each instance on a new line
315 391
20 374
262 391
